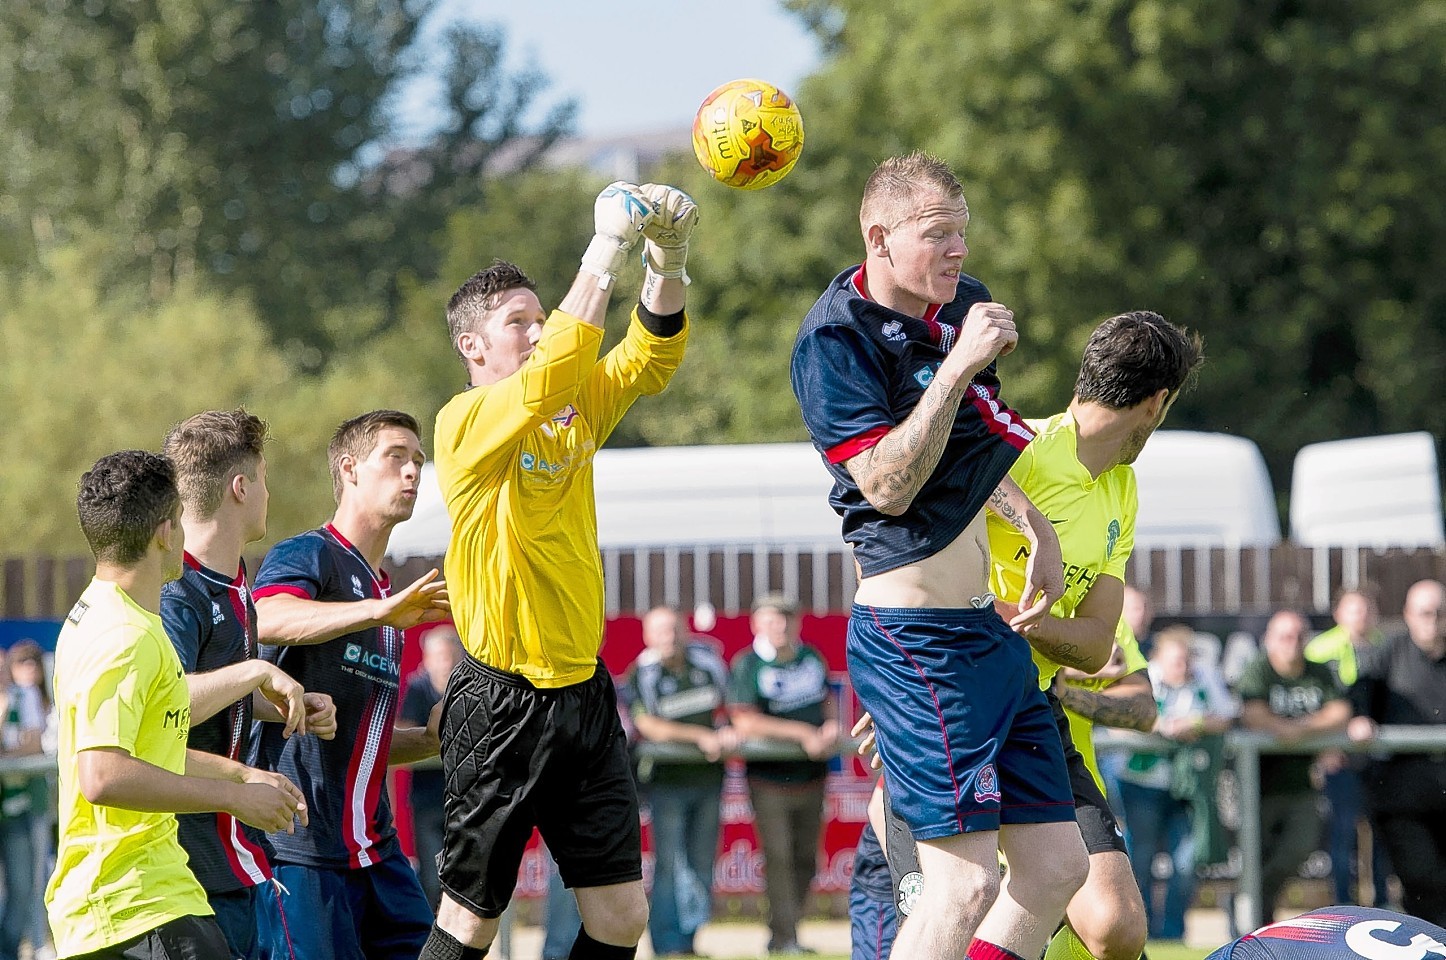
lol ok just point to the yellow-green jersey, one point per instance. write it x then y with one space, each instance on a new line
1333 647
1094 518
514 460
118 683
1082 729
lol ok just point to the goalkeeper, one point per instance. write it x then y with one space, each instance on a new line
530 733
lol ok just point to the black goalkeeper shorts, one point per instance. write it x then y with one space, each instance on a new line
516 756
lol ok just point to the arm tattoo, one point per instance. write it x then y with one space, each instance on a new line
1004 510
1067 654
1135 712
651 282
892 472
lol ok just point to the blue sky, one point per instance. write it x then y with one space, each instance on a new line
610 55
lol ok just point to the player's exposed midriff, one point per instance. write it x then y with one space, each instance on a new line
953 577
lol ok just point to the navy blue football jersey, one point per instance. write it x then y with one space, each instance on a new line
1340 933
343 779
858 371
211 622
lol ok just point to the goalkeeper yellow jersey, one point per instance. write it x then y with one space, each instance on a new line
514 460
1082 729
1094 518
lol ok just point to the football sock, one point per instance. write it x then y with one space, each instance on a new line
1066 945
586 948
984 950
441 945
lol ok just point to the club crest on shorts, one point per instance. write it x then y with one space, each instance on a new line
986 785
911 885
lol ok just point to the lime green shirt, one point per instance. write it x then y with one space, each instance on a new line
118 683
1334 646
1094 518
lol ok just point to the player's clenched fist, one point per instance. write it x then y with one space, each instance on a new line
619 215
988 332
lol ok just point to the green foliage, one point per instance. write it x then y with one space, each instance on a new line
89 369
239 140
196 210
1268 173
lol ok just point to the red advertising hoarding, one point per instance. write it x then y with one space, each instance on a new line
739 867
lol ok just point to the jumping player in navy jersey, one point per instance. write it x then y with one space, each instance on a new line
894 369
328 612
220 463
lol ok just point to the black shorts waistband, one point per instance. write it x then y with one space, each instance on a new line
486 670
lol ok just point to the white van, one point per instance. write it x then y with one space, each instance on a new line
1372 492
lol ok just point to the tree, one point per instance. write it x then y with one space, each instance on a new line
240 140
1264 172
90 368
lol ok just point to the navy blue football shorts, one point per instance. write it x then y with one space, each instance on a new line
335 913
967 738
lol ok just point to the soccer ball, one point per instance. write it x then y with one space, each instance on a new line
748 134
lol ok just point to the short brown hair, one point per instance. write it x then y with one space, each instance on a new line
897 181
209 449
357 438
481 293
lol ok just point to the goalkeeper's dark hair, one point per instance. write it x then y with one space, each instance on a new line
122 499
1133 356
483 292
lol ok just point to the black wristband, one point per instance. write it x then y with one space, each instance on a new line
661 326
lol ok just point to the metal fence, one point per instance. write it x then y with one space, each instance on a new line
1244 749
1221 581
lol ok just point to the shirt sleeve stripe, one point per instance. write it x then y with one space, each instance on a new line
1000 420
260 593
852 448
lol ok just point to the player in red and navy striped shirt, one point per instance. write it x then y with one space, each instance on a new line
220 464
894 369
331 619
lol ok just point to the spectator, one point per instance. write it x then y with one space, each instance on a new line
779 691
1354 633
1138 614
22 721
441 649
1156 820
1290 698
27 666
1403 681
561 919
678 689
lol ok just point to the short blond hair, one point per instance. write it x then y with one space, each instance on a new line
897 182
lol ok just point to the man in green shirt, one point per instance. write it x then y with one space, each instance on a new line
1285 695
779 691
